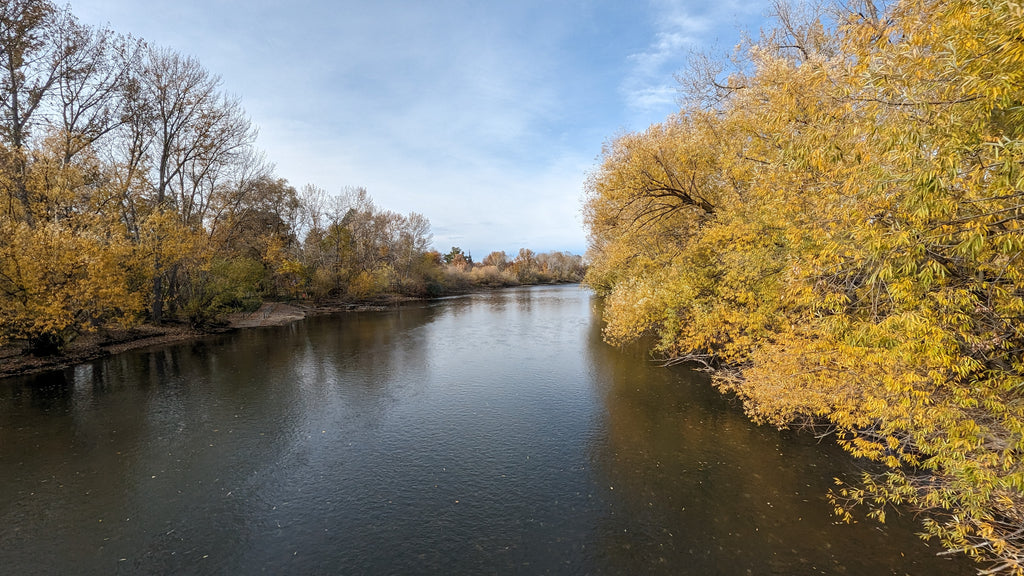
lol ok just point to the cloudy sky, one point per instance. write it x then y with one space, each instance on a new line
485 116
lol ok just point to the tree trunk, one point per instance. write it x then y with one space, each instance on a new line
157 311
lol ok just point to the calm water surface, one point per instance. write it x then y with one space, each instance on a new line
490 434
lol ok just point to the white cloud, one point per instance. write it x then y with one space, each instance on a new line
483 116
681 28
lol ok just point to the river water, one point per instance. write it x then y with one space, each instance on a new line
488 434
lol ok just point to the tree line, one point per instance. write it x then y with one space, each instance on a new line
834 223
131 190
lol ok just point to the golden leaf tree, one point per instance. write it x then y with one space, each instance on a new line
835 226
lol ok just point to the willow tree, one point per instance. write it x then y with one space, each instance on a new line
849 249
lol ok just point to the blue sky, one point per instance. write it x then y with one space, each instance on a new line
483 116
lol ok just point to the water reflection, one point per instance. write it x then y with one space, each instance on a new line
491 433
694 484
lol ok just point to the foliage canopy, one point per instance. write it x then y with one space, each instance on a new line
836 223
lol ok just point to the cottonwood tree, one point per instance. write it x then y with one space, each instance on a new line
63 268
115 151
91 83
193 132
32 58
353 247
497 259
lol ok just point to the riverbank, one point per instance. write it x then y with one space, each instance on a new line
15 361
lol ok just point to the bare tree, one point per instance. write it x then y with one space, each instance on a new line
90 91
497 259
179 93
30 64
192 128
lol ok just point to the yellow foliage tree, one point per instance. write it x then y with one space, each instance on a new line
56 283
70 270
841 231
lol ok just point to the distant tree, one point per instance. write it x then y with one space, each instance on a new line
454 253
497 259
561 266
363 249
525 266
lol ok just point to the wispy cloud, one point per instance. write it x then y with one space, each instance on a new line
483 116
680 29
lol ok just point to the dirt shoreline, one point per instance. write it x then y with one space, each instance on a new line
15 362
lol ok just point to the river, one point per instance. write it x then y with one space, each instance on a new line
488 434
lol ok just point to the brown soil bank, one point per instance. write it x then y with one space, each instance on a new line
15 361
